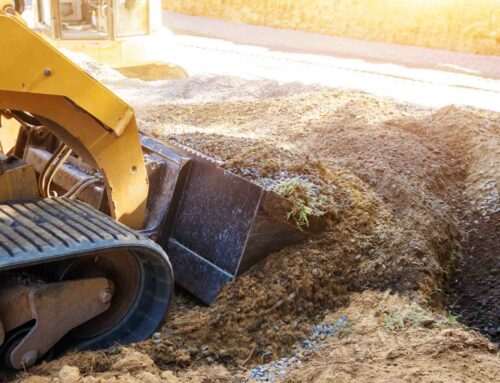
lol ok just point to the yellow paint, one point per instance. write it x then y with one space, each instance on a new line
32 57
89 118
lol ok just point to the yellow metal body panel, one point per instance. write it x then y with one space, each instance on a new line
96 124
35 66
18 183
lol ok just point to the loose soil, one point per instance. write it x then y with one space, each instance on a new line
408 188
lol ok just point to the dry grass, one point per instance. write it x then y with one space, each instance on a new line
463 25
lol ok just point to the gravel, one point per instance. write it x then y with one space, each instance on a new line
277 370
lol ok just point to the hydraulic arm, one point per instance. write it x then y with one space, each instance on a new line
77 109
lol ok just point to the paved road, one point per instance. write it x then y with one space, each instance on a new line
429 77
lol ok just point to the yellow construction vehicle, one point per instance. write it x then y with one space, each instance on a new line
125 34
89 208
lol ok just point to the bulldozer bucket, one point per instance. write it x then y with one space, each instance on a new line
217 224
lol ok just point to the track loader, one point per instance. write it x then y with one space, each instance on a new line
90 208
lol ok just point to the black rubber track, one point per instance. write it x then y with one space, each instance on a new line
40 231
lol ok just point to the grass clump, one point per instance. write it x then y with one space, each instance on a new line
450 320
401 320
305 199
395 321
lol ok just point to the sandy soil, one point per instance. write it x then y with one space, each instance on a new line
406 186
421 350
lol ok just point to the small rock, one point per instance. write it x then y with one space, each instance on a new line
306 344
392 354
183 358
267 357
131 361
69 374
427 322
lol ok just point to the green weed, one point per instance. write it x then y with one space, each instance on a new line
400 320
447 321
394 321
304 201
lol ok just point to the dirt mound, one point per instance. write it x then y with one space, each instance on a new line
399 181
423 348
395 172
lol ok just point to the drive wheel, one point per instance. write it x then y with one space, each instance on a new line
122 268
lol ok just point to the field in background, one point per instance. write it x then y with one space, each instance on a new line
462 25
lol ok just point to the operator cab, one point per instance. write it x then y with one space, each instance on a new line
92 19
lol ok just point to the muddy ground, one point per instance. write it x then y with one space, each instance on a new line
397 285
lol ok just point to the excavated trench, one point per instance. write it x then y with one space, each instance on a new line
475 287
